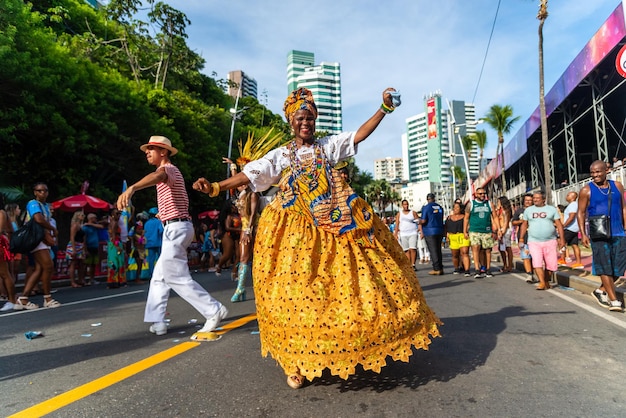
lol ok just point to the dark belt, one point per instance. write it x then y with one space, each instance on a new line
171 221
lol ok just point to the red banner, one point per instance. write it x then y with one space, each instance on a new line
431 118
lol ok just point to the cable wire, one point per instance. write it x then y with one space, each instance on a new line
480 76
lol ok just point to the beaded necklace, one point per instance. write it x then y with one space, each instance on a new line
299 171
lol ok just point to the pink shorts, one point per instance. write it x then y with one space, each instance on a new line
544 252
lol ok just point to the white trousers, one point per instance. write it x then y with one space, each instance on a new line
172 272
422 249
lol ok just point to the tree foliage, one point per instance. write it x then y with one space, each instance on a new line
82 89
480 139
378 193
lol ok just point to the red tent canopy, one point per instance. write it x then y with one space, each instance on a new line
212 214
81 201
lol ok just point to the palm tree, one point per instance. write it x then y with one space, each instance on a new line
480 139
501 119
394 197
378 192
459 176
542 16
468 145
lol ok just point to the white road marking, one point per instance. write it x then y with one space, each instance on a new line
78 302
604 314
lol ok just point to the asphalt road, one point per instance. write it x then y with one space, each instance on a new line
507 351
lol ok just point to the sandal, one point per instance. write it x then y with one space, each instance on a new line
295 381
19 304
543 287
50 303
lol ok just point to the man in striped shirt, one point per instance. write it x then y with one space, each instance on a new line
171 270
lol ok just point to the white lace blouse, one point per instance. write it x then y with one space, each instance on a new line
266 171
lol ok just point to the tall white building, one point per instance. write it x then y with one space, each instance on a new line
297 62
464 119
324 81
389 168
426 146
430 147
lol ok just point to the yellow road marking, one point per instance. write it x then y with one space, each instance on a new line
236 324
87 389
110 379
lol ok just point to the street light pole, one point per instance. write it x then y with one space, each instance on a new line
467 172
232 130
453 158
457 134
454 126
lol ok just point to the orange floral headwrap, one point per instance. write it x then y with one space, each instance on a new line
299 99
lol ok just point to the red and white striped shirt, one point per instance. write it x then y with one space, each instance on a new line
172 198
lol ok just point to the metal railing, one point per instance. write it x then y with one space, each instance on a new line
616 174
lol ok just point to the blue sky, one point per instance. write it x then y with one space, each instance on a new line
416 46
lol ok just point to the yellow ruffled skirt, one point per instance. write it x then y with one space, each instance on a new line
324 301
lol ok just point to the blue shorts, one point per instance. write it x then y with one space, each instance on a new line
609 257
524 253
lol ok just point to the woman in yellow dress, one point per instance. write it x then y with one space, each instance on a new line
333 288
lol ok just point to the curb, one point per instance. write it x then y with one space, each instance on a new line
581 280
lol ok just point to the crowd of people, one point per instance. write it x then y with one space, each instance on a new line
473 230
543 233
128 252
80 258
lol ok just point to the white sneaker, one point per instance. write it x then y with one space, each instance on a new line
615 306
158 328
214 321
7 307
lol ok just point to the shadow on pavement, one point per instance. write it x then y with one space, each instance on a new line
465 345
27 363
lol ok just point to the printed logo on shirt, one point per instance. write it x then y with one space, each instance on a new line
539 215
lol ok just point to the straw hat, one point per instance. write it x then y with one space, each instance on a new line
161 142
